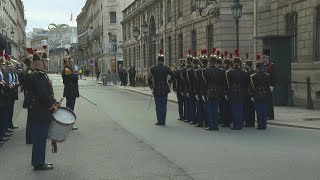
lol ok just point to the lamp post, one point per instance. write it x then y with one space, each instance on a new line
202 4
8 49
144 30
236 9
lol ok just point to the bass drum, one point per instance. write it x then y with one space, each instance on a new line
61 125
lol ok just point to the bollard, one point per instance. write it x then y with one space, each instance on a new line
309 98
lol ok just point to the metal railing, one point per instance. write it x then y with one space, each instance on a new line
110 79
308 83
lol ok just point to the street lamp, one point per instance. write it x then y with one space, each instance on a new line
144 29
236 9
201 4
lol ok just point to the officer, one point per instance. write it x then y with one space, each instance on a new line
260 83
4 101
202 90
184 72
238 82
249 112
43 105
179 87
270 69
70 81
193 88
28 91
158 82
216 82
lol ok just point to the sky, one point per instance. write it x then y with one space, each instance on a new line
40 14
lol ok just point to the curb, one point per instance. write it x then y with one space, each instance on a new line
270 123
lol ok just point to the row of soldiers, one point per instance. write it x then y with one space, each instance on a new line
10 77
224 91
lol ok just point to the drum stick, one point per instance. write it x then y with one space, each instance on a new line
61 100
150 103
88 100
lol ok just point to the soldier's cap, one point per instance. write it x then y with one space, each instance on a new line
161 56
181 58
67 57
2 58
41 54
189 56
28 56
237 58
195 57
265 56
204 54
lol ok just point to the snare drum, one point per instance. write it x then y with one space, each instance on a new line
61 125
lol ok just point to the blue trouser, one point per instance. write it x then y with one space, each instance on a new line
10 111
237 112
261 109
39 139
193 108
225 114
161 108
200 111
213 113
71 102
4 115
28 128
187 108
181 105
249 113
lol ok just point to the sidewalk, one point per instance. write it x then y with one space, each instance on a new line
284 116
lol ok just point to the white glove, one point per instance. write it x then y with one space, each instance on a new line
226 97
252 99
271 88
203 98
197 97
188 95
182 94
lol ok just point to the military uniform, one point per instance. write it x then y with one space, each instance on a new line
71 89
184 87
179 88
260 83
249 110
270 69
238 82
43 105
158 82
187 86
216 83
192 93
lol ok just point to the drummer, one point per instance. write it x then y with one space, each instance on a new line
43 106
70 81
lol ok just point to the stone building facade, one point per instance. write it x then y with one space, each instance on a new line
12 27
176 26
100 34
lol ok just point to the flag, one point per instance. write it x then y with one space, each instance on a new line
71 17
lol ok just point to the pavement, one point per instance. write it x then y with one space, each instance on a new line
284 116
117 139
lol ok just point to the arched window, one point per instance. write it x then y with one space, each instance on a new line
194 40
180 8
180 41
292 30
168 10
210 37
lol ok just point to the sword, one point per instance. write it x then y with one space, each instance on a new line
150 102
88 100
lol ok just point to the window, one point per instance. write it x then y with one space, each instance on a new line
193 6
180 41
161 43
180 8
193 40
168 10
161 13
292 30
113 17
169 51
124 33
134 57
318 34
210 37
130 57
144 56
139 58
129 36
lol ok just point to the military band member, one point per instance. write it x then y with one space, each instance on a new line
249 112
179 87
216 83
192 89
187 85
270 69
158 82
70 81
238 82
43 105
260 82
4 100
28 91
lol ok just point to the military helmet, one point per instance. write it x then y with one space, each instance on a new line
67 57
41 54
237 58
